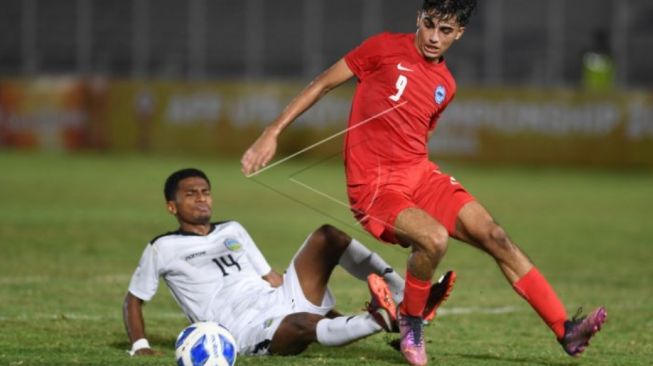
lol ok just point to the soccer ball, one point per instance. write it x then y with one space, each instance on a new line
205 344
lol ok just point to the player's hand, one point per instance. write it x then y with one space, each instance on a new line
274 278
147 352
260 153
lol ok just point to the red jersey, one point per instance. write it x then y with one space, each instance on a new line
398 100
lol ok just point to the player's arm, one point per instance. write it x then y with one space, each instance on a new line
263 149
274 278
132 315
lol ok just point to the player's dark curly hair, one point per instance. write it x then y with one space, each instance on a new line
172 183
461 9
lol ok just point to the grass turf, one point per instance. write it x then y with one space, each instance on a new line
72 228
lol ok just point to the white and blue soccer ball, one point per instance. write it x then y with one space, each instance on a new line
205 344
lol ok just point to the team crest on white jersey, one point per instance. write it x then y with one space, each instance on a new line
232 244
440 94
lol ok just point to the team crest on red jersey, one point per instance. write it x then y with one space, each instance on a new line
440 94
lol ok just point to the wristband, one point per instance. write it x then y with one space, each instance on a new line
138 345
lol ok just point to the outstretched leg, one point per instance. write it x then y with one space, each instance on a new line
475 226
313 265
297 331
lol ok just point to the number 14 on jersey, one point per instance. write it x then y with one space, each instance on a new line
224 262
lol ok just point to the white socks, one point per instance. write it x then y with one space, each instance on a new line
395 284
345 329
360 262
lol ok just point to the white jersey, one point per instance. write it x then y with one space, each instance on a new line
226 262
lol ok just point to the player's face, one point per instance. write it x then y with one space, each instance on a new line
193 203
435 35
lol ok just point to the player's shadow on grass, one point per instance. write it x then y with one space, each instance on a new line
515 360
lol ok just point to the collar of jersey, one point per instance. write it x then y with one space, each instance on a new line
190 233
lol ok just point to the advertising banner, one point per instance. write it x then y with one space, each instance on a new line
212 118
548 127
223 118
48 113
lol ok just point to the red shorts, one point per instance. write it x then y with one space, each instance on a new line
377 204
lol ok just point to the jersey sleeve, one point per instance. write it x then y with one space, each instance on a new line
367 56
145 279
255 256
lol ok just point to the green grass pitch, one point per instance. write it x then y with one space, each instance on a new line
72 228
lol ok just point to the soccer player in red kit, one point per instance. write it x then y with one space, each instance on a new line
395 192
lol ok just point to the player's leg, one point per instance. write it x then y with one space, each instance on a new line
297 331
427 239
305 284
316 259
327 247
477 227
387 286
362 263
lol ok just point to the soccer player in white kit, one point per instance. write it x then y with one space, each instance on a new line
216 272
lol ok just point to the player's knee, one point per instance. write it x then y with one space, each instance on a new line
440 239
304 330
295 334
334 236
435 243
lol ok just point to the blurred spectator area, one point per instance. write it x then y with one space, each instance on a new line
509 42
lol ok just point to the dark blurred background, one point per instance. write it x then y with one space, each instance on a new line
514 42
155 75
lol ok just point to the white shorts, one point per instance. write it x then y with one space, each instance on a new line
255 338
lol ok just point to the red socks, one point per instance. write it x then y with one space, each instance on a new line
536 290
533 287
416 292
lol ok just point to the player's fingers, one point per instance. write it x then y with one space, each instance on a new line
253 160
254 165
249 161
264 160
245 162
260 163
267 158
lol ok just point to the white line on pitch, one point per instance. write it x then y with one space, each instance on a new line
174 315
477 310
20 280
84 317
